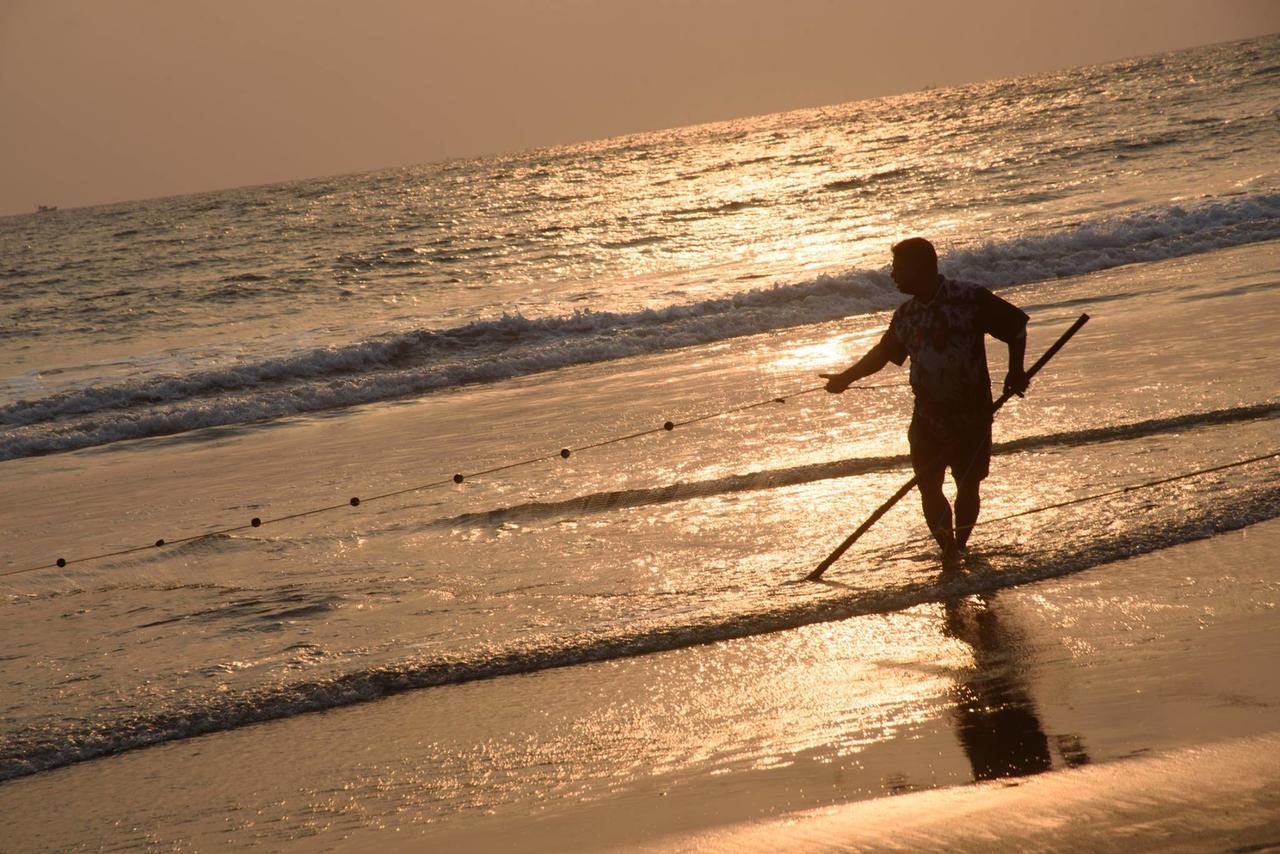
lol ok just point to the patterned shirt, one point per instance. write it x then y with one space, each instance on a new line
944 338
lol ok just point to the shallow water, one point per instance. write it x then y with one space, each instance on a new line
670 540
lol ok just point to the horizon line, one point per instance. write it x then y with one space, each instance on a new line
494 154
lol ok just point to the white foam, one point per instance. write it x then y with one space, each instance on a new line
1098 244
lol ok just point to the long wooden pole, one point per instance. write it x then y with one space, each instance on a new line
909 485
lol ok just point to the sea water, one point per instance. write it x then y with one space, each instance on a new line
180 366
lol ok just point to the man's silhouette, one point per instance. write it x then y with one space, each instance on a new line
941 328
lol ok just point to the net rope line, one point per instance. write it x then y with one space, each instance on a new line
563 453
925 538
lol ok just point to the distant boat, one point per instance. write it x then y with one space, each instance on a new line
45 208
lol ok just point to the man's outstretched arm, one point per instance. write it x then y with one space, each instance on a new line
875 359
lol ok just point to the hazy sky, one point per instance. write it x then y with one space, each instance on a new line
104 100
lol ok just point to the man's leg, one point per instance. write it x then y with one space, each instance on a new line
968 503
928 459
937 512
976 454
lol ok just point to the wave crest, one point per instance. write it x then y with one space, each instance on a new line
386 367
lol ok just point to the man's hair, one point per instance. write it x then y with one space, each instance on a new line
916 249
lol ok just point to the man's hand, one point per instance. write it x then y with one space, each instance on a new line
836 383
1016 382
864 367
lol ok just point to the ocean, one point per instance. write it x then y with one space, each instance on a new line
175 367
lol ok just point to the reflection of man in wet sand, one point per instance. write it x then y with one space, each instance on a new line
995 718
941 328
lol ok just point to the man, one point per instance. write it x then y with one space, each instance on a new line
941 328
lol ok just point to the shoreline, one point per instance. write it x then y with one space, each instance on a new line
1141 657
378 684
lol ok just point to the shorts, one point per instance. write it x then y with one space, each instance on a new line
964 446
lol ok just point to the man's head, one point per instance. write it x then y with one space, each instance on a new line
915 266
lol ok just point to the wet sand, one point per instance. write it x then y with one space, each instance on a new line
1157 666
1222 796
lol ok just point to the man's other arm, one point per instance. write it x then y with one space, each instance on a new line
1008 323
1015 381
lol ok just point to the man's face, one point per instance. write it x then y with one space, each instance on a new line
912 276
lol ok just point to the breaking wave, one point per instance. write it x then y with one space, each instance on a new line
1147 235
403 364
